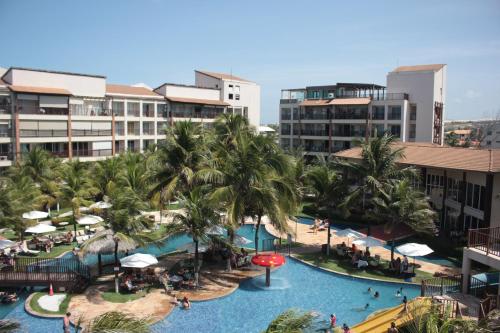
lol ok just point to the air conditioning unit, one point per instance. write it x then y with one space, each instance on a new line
3 158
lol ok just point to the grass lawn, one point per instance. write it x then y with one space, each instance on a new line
344 266
173 206
113 297
62 308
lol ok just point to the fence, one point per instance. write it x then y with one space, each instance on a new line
485 239
441 285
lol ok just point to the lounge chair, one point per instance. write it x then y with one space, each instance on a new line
26 251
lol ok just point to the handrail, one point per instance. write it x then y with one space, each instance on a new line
441 285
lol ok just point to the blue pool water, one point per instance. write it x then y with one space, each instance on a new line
432 258
252 306
295 285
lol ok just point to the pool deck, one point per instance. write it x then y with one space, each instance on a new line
313 242
214 280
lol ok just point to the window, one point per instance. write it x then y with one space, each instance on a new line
378 112
394 113
231 88
413 129
245 111
434 182
230 96
395 130
378 130
413 112
286 114
453 189
237 89
237 97
476 195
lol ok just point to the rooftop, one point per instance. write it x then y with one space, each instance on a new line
435 156
50 71
197 101
119 89
419 68
351 101
39 90
222 76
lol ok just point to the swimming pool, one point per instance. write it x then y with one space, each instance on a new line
295 285
432 258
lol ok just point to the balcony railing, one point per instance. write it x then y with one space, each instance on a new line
5 133
311 116
285 116
486 240
391 97
120 131
133 113
43 111
42 133
148 114
149 131
100 132
314 132
91 113
92 153
6 156
197 115
289 101
316 149
133 131
349 115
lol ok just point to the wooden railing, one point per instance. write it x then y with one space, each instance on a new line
441 285
480 288
447 307
485 239
488 304
23 271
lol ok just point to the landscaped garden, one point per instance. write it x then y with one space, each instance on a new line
212 193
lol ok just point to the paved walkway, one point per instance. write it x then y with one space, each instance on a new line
307 237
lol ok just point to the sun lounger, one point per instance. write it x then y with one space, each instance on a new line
26 251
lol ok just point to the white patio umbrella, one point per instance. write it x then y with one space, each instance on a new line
190 247
5 243
369 242
216 230
101 205
349 233
41 229
414 250
89 220
138 260
35 215
241 241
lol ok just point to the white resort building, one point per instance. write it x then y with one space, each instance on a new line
81 115
325 119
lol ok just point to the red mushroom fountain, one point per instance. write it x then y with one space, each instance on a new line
268 261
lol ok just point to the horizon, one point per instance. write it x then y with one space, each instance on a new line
336 42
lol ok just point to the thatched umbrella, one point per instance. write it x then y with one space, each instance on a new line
104 242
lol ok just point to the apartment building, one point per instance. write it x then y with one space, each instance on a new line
326 119
81 115
463 185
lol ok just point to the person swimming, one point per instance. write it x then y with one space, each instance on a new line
369 291
376 295
333 320
398 293
363 308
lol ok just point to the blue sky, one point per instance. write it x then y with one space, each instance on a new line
279 44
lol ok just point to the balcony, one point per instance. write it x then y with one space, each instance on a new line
486 240
148 113
314 132
350 115
5 133
197 115
312 116
43 111
120 131
391 97
5 108
133 131
285 116
148 131
25 133
6 156
133 113
289 101
316 149
103 132
92 153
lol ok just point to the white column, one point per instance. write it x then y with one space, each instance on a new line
141 133
125 124
156 121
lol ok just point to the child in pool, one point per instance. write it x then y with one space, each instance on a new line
376 295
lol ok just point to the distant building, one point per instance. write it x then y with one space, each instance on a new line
326 119
463 184
81 115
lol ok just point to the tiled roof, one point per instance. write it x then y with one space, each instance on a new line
435 156
39 90
315 102
350 101
460 131
417 68
223 76
129 90
197 101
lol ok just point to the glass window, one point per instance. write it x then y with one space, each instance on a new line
395 130
230 96
394 113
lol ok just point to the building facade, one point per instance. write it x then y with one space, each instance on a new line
463 185
326 119
80 115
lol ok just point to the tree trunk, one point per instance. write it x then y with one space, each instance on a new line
230 235
328 237
257 226
74 224
393 245
117 284
196 263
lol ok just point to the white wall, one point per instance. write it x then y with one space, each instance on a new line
78 85
188 92
424 88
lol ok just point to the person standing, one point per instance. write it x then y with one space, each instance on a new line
393 328
66 323
333 321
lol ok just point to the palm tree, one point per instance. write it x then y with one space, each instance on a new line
126 227
115 321
402 204
76 187
7 325
18 194
328 188
378 167
251 177
295 321
107 174
197 217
